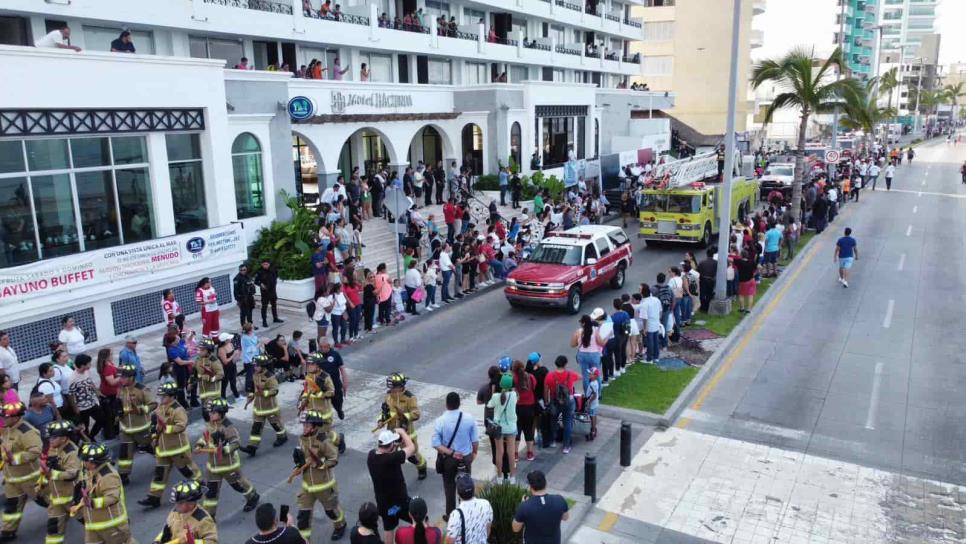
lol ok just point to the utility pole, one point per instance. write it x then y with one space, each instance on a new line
915 127
838 75
721 305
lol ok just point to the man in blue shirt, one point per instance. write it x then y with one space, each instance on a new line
618 344
129 356
504 184
846 252
319 268
540 516
773 244
457 440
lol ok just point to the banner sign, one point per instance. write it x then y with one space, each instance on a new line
93 268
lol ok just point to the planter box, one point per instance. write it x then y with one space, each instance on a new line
296 290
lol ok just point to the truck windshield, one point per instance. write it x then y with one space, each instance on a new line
781 171
670 203
554 254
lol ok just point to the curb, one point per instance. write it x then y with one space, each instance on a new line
670 416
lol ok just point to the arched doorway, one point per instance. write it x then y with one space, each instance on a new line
426 146
516 142
366 150
307 164
473 148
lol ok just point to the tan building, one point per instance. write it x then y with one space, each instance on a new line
686 49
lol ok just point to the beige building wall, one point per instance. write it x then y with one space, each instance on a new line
698 50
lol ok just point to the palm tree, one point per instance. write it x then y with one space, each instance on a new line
953 92
889 82
862 111
805 85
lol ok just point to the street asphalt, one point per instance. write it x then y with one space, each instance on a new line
446 350
872 374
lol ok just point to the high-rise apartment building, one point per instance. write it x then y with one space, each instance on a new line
857 20
154 156
687 48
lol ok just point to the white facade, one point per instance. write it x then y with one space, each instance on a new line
132 173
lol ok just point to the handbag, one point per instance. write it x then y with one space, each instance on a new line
419 294
440 459
493 429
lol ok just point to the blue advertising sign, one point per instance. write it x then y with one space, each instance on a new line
300 108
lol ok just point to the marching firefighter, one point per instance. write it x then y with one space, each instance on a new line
317 393
210 372
61 468
314 460
188 522
171 448
221 442
266 406
401 410
137 403
100 499
22 448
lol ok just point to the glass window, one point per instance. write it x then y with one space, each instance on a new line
476 73
11 156
518 74
129 150
515 142
90 152
18 245
439 72
187 182
229 50
54 208
183 147
134 204
197 47
98 38
98 209
47 154
246 161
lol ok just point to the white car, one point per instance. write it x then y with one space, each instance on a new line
778 176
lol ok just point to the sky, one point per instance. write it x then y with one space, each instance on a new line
786 23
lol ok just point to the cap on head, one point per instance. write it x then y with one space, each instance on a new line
506 382
465 486
387 438
598 313
225 336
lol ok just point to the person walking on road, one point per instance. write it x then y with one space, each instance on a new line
962 171
874 174
846 252
890 171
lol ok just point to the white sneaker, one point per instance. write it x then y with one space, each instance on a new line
436 305
428 308
845 284
375 326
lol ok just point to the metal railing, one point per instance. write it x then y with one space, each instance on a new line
615 18
567 51
505 41
535 45
632 23
567 5
257 5
633 59
340 18
459 34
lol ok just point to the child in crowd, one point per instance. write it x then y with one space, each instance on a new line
166 373
593 400
398 304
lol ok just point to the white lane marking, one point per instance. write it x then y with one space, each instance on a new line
923 182
915 209
902 262
920 194
909 230
887 321
930 193
874 401
755 426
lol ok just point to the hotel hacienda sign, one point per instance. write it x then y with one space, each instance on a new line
381 101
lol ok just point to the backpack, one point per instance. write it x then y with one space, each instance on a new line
665 295
36 388
561 396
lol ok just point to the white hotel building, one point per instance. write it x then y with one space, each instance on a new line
124 174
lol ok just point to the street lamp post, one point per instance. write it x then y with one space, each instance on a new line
838 74
722 304
915 127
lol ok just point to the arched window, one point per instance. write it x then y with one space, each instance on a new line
515 143
246 160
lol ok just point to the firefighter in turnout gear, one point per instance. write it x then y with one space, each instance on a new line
99 498
317 392
61 468
137 403
266 406
221 442
22 448
401 410
209 370
171 448
314 459
188 523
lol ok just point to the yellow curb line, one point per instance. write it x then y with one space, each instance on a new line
608 522
733 356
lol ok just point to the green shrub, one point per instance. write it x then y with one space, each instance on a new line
489 182
288 245
504 498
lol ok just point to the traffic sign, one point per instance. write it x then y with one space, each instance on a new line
831 155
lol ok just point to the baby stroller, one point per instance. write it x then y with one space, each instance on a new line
582 424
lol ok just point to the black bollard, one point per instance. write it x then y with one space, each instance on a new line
590 477
625 444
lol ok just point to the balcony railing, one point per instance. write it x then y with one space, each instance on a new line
633 59
535 45
610 17
567 51
340 17
258 5
396 25
459 34
504 41
567 5
632 22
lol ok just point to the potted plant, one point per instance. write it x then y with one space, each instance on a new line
289 246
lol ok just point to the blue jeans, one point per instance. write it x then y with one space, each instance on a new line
497 267
355 316
430 295
663 339
447 275
687 308
653 342
339 325
587 360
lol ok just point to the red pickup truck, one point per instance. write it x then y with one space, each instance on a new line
567 265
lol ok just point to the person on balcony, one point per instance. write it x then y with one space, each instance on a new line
491 36
57 39
123 43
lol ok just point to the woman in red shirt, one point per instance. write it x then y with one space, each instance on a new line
110 387
421 532
353 293
525 384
